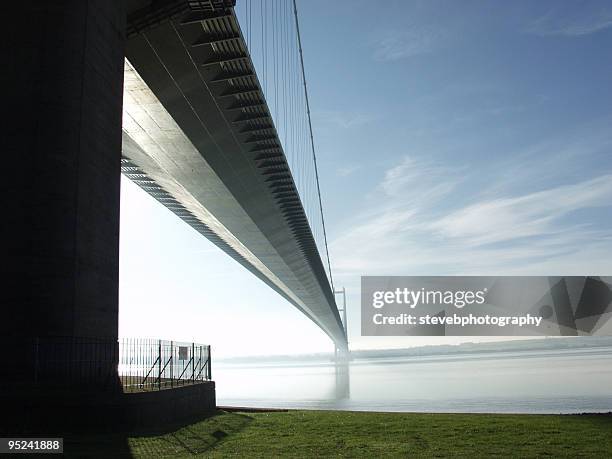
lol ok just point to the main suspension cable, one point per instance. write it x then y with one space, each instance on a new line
314 156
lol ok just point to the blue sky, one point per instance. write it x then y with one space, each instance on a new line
453 138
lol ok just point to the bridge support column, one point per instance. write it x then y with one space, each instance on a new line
61 186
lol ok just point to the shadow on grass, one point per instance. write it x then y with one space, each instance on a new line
195 438
190 437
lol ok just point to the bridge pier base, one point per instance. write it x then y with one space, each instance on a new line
61 186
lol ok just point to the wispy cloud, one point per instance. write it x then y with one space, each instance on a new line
573 154
343 119
576 22
421 226
345 171
416 182
411 41
529 215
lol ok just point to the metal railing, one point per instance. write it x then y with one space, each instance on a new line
148 364
90 363
59 362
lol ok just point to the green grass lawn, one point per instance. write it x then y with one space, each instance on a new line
358 434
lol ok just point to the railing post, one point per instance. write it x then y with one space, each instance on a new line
200 363
159 367
209 365
171 365
192 362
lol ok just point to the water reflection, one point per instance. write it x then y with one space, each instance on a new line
343 380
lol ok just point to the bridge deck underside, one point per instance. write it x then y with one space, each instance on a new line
198 136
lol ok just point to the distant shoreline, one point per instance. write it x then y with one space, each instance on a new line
565 343
251 409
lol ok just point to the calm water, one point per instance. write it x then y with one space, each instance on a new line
566 381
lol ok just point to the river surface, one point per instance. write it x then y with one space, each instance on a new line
564 381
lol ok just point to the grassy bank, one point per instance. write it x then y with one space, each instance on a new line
352 434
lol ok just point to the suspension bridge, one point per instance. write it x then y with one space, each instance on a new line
202 105
217 128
